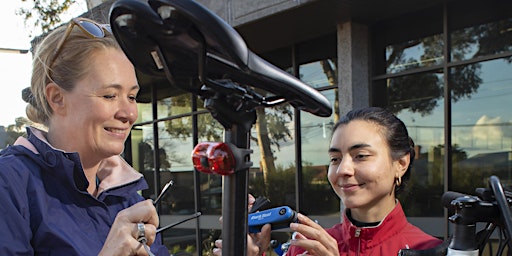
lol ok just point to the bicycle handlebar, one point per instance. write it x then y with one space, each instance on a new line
490 205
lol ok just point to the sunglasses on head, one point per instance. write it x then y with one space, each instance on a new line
88 27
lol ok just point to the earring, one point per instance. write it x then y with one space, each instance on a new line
398 181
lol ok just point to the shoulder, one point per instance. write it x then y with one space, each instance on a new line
15 162
418 239
337 231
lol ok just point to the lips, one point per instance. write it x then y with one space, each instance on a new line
350 187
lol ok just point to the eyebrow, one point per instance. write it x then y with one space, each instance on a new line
118 86
353 147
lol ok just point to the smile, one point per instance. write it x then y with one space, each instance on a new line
113 130
350 187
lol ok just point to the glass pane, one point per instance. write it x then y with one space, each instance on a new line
142 156
481 40
180 241
145 112
320 73
138 150
481 124
319 197
177 105
272 142
418 101
211 193
415 53
179 200
175 140
210 185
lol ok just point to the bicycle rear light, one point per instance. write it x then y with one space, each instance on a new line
214 157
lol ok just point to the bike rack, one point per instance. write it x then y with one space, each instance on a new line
194 50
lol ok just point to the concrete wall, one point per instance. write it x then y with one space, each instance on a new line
239 12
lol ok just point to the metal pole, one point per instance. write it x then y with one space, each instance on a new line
234 200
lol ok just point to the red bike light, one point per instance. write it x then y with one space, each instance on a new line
214 157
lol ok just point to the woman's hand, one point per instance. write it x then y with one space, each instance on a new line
257 243
313 238
123 236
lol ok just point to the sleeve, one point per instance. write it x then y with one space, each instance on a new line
294 250
15 231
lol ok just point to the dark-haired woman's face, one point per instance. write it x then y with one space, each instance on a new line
361 170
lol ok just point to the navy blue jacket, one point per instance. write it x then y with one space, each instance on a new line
45 208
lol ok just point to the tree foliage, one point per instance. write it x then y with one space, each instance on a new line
9 135
45 14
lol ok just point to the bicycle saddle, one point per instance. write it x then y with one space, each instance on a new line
190 46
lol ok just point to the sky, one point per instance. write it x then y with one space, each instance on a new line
15 69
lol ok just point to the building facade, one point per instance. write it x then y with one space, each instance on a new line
444 67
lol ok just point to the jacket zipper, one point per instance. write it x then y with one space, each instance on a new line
357 234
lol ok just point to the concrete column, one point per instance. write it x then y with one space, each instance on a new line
353 66
93 3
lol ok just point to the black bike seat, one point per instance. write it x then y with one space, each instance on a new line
184 42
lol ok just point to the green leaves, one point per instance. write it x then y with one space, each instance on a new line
45 14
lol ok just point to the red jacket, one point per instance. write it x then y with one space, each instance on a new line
391 235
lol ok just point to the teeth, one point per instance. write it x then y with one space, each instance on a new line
116 130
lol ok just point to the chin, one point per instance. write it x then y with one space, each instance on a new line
113 151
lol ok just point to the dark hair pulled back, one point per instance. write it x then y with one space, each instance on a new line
394 132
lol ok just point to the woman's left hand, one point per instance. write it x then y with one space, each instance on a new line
313 238
257 243
123 236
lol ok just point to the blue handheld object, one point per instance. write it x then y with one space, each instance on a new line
279 217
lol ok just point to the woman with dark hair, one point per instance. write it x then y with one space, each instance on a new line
370 155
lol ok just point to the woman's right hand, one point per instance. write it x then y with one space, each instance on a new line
123 236
313 238
257 243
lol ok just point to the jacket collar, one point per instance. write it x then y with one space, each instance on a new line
393 223
113 171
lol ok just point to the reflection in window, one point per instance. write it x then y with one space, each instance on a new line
175 144
482 126
318 196
173 157
273 146
420 93
418 101
319 74
481 40
411 54
174 106
180 241
211 193
145 112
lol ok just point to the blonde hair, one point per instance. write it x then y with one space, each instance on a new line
70 65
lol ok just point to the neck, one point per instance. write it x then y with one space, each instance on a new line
374 214
90 166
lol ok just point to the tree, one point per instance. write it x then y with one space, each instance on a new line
9 135
46 14
271 127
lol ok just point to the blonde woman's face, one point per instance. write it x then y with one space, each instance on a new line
101 109
361 170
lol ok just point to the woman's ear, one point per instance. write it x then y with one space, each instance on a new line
402 164
55 98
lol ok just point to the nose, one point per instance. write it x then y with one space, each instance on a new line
346 167
127 111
